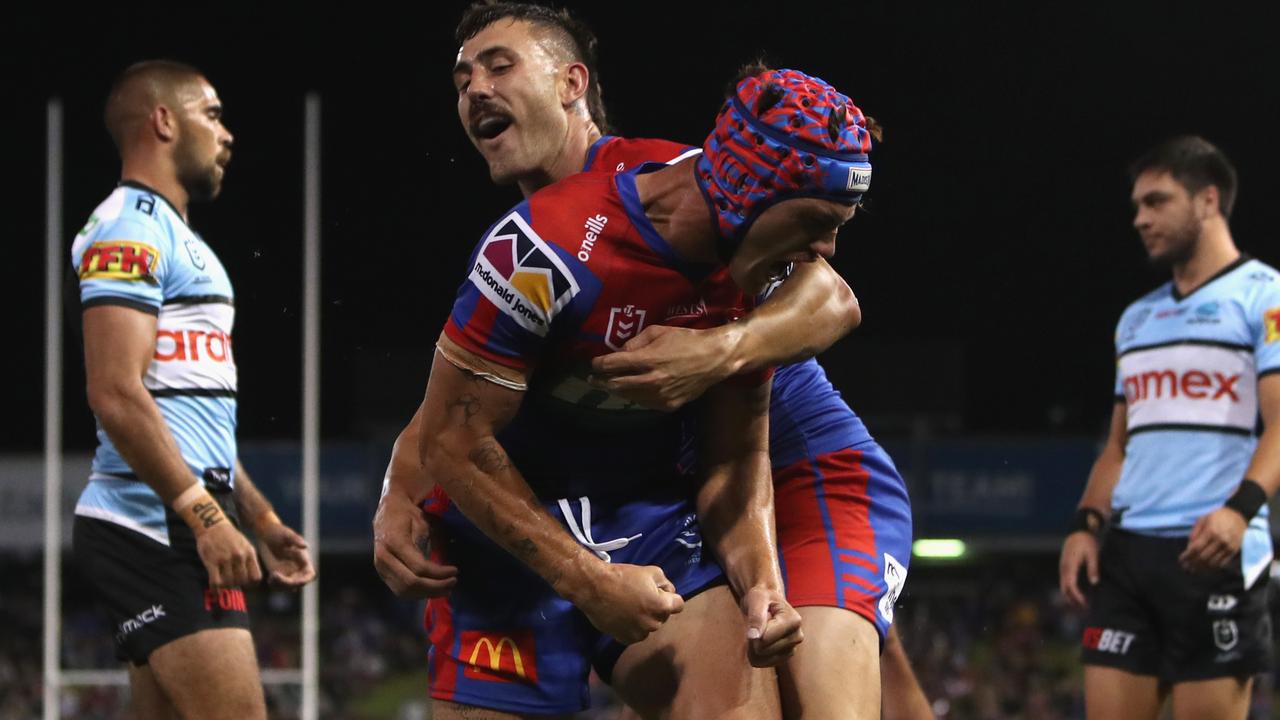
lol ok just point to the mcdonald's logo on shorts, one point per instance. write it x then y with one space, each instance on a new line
499 656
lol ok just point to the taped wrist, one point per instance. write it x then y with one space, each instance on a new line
1248 499
198 509
1089 520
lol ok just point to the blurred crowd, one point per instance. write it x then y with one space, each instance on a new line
990 640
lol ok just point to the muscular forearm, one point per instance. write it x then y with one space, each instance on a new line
133 421
735 507
256 510
491 493
405 473
806 315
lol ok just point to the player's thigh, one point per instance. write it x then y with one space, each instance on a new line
1216 699
147 700
211 675
695 667
835 672
1114 694
445 710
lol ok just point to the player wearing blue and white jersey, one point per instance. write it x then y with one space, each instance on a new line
1187 373
137 252
1177 596
156 531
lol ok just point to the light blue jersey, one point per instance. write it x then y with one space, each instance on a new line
1187 371
136 251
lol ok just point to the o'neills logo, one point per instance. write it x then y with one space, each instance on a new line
595 226
522 275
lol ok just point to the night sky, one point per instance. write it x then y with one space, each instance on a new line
992 260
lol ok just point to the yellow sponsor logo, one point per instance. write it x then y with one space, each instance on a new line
488 657
1271 319
119 260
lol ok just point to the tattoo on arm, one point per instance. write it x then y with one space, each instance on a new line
526 548
489 457
469 404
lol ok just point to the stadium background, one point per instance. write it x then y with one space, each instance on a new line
992 261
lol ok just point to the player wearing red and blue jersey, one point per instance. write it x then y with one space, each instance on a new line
510 423
813 293
843 513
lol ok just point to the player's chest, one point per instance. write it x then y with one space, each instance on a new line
196 270
1207 319
641 295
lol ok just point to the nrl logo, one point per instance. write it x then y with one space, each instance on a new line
624 324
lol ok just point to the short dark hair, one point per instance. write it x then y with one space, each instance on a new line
579 38
1196 164
138 87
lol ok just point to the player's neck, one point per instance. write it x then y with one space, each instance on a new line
676 208
161 178
569 161
1215 251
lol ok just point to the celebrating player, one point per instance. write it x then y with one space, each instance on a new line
513 53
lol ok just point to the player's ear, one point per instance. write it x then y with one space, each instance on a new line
573 85
163 123
1207 201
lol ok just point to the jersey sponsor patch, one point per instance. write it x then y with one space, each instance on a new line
119 260
1271 319
1189 384
522 275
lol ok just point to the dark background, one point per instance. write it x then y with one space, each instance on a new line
992 261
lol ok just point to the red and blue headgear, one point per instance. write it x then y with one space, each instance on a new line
782 135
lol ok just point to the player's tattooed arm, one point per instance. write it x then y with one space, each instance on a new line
460 418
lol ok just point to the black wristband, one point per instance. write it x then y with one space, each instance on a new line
1089 520
1248 499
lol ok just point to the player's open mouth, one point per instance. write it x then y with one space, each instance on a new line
490 126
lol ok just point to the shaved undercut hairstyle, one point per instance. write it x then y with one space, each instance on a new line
571 33
139 89
1196 164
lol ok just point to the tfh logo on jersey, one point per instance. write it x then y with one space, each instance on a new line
119 260
1107 640
499 656
522 275
1271 319
624 324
